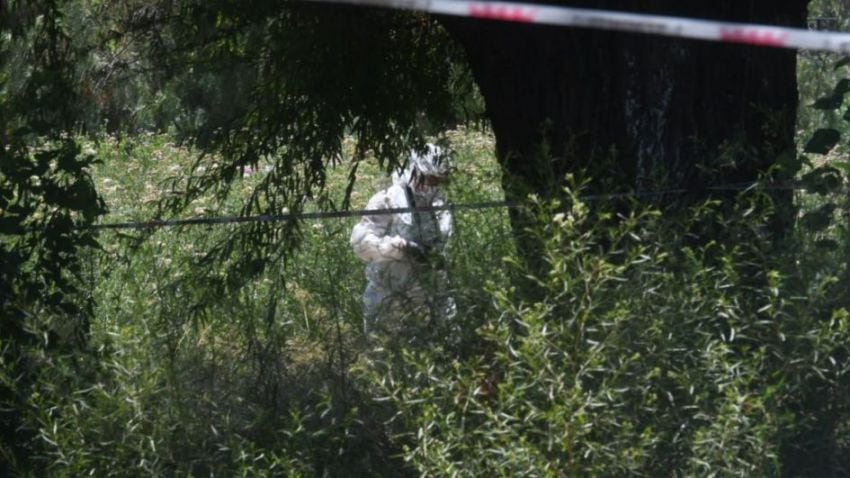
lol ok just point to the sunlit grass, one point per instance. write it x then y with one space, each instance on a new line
278 378
284 344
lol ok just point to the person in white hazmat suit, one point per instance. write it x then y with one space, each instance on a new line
407 280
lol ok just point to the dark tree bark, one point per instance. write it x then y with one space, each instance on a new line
636 112
640 112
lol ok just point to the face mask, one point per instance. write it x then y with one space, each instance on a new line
424 190
426 186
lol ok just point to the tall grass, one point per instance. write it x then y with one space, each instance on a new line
257 383
650 353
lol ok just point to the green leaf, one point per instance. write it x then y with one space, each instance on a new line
842 165
842 62
826 244
842 87
819 219
789 162
822 180
846 116
823 141
831 102
87 240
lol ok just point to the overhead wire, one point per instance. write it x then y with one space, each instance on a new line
320 215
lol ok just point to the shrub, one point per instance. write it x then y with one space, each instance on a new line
650 353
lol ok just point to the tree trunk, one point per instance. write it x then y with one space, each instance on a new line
635 112
638 112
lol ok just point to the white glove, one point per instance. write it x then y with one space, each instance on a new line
393 247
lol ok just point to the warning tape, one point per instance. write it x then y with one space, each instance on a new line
727 32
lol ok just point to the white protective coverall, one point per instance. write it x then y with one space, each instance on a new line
406 276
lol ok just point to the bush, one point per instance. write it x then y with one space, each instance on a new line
651 353
647 349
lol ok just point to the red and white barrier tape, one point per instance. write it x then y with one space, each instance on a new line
729 32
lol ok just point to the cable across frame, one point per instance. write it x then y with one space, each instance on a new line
521 12
319 215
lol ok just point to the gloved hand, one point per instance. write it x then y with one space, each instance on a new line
417 252
393 247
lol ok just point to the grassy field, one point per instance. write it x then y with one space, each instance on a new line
197 379
646 348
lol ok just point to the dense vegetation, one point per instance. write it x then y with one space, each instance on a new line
648 340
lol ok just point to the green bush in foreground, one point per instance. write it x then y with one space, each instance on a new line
651 350
652 353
